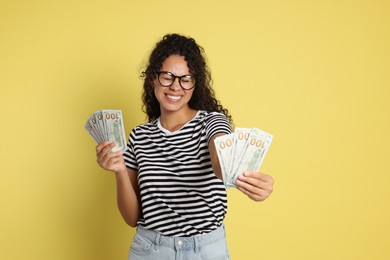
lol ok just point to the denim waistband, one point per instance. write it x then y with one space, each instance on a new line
182 243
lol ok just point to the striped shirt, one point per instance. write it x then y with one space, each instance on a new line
180 193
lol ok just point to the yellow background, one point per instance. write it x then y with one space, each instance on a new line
313 73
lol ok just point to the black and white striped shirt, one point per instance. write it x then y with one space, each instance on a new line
180 194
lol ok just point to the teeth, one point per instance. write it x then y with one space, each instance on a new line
174 97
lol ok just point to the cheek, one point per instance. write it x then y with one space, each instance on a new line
156 90
191 96
156 94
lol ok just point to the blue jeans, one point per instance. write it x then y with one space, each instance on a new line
150 245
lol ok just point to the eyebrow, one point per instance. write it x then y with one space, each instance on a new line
188 74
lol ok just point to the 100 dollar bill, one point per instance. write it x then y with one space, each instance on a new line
115 132
253 155
224 145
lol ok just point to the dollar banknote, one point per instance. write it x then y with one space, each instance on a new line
107 125
90 129
241 136
244 150
253 155
93 127
224 145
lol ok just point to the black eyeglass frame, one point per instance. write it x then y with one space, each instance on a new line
174 78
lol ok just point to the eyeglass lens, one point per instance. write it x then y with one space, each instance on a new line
166 79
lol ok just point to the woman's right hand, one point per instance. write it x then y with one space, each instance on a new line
110 161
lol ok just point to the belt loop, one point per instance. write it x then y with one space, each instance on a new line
197 246
157 241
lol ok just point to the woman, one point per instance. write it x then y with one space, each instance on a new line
169 181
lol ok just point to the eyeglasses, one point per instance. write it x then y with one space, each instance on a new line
167 78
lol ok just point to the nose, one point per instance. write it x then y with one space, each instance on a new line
175 85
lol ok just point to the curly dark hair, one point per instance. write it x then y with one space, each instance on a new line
203 97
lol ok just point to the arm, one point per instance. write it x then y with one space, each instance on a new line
126 182
128 196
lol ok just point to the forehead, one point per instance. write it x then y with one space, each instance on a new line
175 64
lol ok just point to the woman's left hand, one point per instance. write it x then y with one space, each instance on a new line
257 186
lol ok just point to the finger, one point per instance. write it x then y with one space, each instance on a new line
251 181
252 174
256 189
249 184
105 150
254 179
100 146
106 158
116 160
115 163
260 195
267 178
258 185
260 176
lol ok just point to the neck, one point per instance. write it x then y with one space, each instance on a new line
173 121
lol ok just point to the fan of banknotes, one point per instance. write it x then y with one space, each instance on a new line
107 125
241 151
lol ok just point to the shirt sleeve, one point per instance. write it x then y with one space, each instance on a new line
217 123
129 155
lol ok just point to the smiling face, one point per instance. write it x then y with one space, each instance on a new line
173 98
